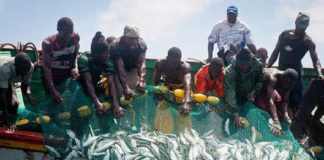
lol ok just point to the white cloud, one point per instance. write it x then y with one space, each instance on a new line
288 10
154 18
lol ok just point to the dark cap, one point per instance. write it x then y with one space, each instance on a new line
244 56
232 9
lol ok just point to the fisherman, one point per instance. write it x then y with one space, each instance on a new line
92 68
227 53
209 79
243 80
60 57
262 54
269 99
230 30
176 75
292 46
128 53
313 96
13 70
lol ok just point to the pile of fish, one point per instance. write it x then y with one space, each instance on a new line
187 145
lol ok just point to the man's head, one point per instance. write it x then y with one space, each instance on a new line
302 21
262 54
99 48
216 66
65 27
244 59
289 77
110 40
174 57
229 52
131 36
232 13
22 63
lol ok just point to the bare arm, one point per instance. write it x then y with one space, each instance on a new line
47 65
252 48
157 72
122 78
4 104
275 54
141 71
91 91
315 59
75 71
270 92
187 89
210 50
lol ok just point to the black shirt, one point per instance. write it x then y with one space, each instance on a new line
292 50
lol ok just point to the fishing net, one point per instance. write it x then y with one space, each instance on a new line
150 112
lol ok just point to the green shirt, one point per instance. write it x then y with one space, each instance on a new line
86 64
238 85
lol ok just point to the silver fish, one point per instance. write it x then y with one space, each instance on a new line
89 141
52 151
106 146
70 133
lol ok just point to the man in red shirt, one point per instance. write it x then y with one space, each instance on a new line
209 79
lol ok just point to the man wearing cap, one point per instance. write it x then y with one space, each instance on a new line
243 80
291 47
128 53
230 30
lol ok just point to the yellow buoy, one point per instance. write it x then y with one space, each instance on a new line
161 89
179 93
317 149
124 101
84 111
246 122
200 97
213 100
44 119
22 122
106 105
64 116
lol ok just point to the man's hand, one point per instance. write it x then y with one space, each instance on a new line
119 112
320 77
57 97
238 122
185 108
33 101
288 120
75 73
251 96
10 127
100 109
128 94
141 87
276 129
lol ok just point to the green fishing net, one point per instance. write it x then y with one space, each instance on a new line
152 112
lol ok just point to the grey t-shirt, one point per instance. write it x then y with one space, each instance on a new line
8 73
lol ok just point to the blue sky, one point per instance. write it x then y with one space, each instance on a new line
163 23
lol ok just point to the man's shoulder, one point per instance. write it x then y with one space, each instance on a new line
142 44
160 63
5 67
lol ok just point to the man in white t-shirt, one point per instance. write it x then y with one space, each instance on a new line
230 30
13 70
